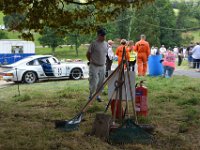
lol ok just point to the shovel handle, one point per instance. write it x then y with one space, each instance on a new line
100 88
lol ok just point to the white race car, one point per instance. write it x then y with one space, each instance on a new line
41 67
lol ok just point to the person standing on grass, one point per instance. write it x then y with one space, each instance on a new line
169 63
180 56
189 55
96 56
162 50
119 50
133 55
143 51
109 57
175 50
196 56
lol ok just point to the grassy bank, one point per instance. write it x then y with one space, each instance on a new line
65 52
27 120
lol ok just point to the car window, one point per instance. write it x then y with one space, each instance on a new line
42 60
33 63
53 60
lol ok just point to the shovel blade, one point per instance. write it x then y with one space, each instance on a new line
69 125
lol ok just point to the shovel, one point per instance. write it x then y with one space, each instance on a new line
73 124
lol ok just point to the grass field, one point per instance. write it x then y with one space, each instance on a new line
27 120
1 18
66 52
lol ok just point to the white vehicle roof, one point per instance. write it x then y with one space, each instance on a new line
29 58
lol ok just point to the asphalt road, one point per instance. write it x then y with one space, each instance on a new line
190 73
180 72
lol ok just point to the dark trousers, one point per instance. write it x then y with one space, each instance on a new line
132 65
108 66
196 63
168 71
180 59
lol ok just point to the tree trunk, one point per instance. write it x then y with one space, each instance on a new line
76 36
131 23
53 51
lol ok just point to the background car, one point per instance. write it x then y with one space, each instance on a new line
41 67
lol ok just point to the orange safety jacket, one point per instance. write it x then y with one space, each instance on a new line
142 48
119 53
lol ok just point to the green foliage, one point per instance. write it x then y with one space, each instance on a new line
65 52
13 20
188 18
3 35
67 14
167 18
78 22
1 18
51 38
76 39
159 24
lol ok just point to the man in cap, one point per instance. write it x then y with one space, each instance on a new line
96 55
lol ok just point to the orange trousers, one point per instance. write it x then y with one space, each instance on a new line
142 61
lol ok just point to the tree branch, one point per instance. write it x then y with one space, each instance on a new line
111 1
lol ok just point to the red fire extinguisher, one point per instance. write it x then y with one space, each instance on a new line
141 99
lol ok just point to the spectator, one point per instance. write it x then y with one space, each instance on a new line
109 57
184 52
162 50
133 55
143 51
175 50
180 56
119 51
189 55
169 63
154 50
96 56
196 56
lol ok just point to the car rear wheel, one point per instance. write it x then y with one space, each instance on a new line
76 74
29 77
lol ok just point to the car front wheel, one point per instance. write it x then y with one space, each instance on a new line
76 74
29 77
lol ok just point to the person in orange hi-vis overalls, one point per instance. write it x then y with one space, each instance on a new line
143 51
119 51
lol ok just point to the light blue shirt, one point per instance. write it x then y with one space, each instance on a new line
196 52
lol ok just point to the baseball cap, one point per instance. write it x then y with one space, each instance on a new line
101 32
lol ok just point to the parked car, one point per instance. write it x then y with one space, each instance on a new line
41 67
